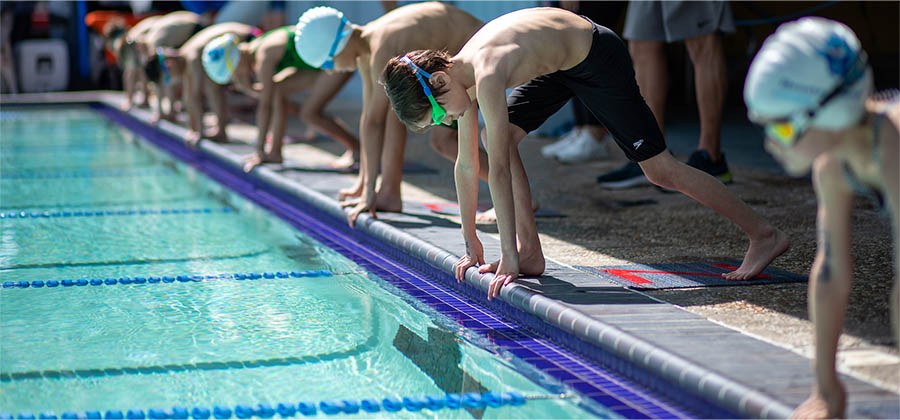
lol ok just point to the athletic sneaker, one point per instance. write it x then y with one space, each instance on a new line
584 148
700 159
629 175
549 151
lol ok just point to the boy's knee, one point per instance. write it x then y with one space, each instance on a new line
640 49
659 172
309 116
703 47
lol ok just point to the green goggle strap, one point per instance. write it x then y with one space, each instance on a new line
437 112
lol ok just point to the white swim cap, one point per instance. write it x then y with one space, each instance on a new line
803 62
321 33
220 57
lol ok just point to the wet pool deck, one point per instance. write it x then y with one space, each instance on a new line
741 373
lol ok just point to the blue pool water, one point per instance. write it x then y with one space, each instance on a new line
83 198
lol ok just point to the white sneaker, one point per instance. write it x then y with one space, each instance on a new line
584 148
549 151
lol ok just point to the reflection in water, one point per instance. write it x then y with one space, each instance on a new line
440 359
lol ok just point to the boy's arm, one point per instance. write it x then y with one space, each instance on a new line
831 272
491 93
371 137
465 173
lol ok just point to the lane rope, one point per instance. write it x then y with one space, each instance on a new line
472 400
101 173
104 213
185 278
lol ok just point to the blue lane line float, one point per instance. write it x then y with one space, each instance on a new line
307 408
108 213
100 173
184 278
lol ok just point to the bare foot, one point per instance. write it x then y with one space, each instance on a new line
353 192
346 161
217 135
192 138
126 106
255 160
818 406
393 205
490 216
309 135
531 263
761 253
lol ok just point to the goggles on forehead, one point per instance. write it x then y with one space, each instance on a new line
788 130
437 112
329 62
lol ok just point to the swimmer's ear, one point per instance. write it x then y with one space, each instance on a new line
439 80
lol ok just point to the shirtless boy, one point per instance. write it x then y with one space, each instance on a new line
810 86
548 55
123 43
184 64
428 25
170 30
269 69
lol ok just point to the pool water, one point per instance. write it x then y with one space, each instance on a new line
83 198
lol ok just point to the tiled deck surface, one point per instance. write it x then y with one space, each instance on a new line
740 373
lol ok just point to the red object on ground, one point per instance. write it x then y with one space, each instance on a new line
97 19
634 278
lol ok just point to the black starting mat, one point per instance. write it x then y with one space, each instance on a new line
681 275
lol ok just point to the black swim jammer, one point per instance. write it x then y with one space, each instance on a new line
605 83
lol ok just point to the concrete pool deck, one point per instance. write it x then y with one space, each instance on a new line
741 372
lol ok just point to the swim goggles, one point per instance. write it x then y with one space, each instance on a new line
437 112
790 129
329 62
161 56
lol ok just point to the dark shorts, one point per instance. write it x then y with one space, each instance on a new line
605 83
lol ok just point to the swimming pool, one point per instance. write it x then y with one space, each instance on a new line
175 291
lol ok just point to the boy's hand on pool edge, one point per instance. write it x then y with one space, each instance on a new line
474 257
504 273
360 207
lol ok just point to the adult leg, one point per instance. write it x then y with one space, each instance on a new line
651 74
710 79
312 114
766 242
